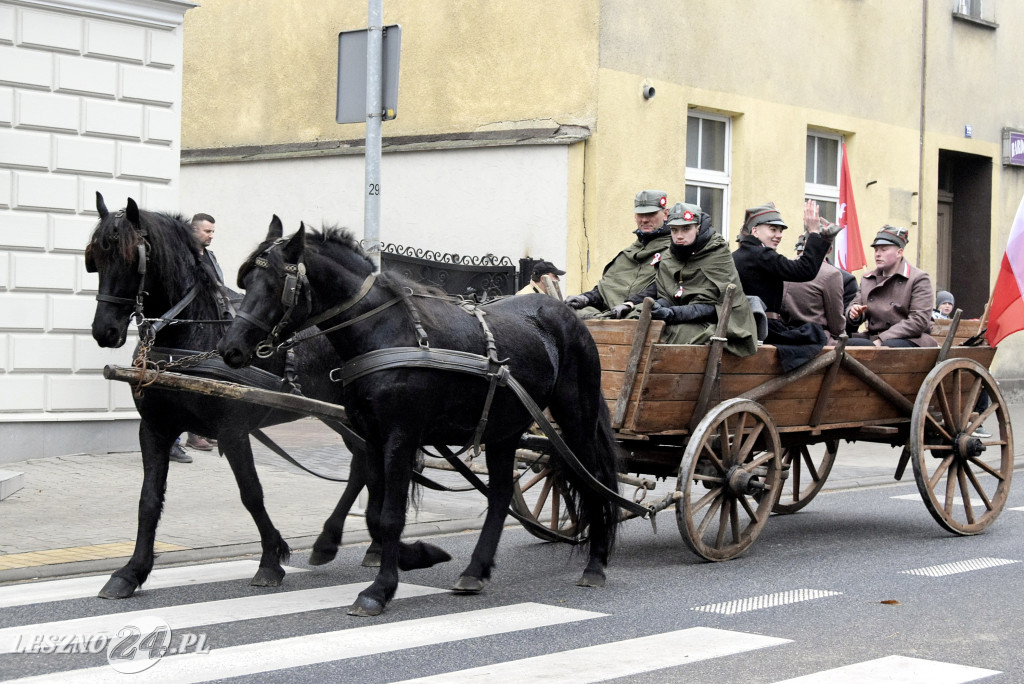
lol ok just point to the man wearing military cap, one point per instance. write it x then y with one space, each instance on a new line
633 269
895 299
692 277
536 284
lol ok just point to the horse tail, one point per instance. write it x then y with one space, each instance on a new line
585 423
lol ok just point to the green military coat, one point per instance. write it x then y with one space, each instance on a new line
632 271
702 279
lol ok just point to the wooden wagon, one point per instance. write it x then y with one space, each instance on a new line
735 432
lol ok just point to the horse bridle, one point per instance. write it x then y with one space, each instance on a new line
295 284
143 258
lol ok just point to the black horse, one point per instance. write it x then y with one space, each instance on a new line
154 257
400 409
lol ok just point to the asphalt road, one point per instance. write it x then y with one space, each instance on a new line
848 581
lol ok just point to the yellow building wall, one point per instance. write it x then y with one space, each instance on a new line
263 73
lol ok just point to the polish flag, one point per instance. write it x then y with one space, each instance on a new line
849 247
1006 313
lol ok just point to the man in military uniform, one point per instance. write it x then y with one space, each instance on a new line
691 280
633 269
895 299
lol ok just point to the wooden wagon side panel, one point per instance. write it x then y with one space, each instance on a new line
614 341
674 375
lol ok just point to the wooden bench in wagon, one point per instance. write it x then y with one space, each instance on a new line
735 432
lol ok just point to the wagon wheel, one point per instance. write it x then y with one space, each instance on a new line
551 509
807 475
731 458
963 492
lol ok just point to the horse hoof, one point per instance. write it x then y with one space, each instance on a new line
365 607
118 588
267 577
318 557
590 579
469 585
420 555
371 560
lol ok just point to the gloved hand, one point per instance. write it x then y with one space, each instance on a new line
661 311
682 314
622 310
829 230
577 301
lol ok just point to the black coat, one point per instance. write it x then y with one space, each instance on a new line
763 271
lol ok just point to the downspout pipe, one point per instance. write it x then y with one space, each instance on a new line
921 124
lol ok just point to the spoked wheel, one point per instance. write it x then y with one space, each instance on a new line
551 508
729 479
964 480
807 475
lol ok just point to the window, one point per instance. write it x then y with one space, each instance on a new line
821 177
979 12
708 146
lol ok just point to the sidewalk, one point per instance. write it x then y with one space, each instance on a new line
78 513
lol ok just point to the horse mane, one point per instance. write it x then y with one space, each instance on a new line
173 251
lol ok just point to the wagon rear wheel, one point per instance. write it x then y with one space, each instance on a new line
539 495
807 475
728 479
964 480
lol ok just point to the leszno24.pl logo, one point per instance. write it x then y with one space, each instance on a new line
137 646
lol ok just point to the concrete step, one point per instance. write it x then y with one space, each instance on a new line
10 482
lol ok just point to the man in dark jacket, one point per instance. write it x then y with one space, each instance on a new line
633 269
763 271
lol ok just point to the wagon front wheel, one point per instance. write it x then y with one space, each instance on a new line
728 480
964 479
806 477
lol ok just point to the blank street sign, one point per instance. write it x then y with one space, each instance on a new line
352 74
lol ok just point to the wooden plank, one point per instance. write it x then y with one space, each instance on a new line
638 346
664 416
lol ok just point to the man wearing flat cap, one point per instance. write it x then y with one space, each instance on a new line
763 271
633 269
536 284
895 299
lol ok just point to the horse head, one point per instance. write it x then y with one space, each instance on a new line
280 288
118 251
277 295
145 260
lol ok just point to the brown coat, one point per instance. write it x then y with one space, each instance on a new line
900 306
817 301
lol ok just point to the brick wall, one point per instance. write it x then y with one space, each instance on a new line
90 95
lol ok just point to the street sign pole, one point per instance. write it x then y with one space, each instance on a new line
374 119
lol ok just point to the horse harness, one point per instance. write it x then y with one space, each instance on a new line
496 371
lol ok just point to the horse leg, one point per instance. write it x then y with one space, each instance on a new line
156 449
413 556
499 494
388 481
275 550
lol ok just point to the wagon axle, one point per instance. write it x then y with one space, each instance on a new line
744 482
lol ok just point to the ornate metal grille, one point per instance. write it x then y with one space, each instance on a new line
480 277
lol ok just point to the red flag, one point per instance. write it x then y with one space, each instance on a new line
849 247
1006 313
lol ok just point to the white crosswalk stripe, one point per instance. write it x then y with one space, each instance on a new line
207 613
618 659
236 661
162 578
896 670
671 651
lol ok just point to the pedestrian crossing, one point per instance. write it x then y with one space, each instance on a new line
588 656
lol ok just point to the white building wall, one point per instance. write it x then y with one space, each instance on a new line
90 99
507 201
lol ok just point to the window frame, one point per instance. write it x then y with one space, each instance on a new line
821 192
706 178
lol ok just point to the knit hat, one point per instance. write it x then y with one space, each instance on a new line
943 297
